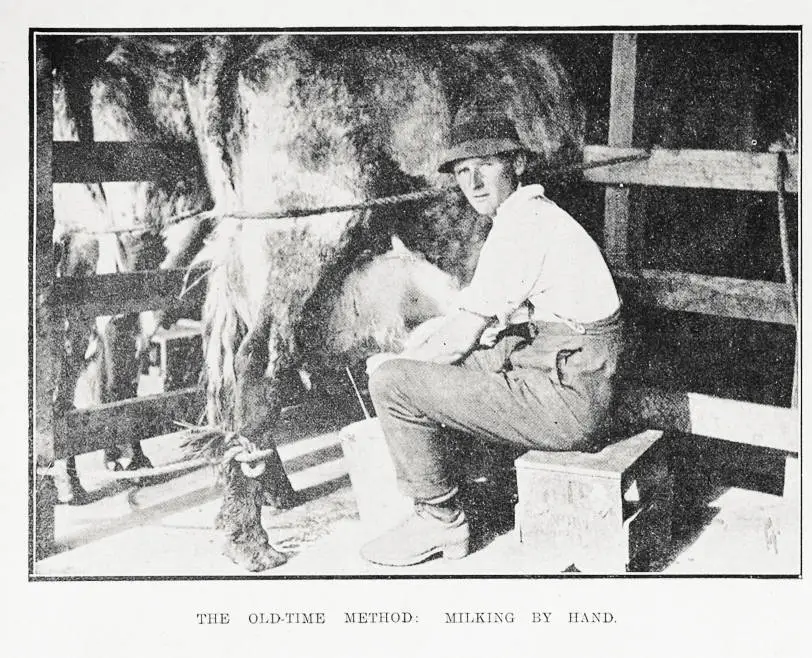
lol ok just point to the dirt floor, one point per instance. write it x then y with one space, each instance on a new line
163 528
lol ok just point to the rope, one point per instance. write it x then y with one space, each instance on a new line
244 453
781 170
143 472
395 199
323 210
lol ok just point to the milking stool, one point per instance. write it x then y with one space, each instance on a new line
602 512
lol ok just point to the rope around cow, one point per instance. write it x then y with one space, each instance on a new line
244 453
380 202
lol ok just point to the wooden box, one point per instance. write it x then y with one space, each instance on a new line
602 512
372 474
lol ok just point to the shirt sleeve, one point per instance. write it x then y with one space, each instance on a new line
510 264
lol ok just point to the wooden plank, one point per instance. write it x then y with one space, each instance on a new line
617 218
759 425
46 335
720 170
76 162
99 427
796 373
621 123
624 78
763 301
792 478
125 292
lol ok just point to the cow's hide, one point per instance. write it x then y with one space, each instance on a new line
287 122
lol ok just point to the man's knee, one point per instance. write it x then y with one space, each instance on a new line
387 378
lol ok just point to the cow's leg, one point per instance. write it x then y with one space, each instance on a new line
256 411
66 478
258 405
139 459
246 539
120 365
69 488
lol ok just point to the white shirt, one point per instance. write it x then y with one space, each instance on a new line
537 253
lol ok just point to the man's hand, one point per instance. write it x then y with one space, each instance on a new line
489 336
421 333
451 339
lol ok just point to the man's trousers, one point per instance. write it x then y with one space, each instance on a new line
548 389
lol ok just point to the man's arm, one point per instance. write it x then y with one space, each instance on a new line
444 339
453 339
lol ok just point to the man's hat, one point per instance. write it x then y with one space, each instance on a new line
478 136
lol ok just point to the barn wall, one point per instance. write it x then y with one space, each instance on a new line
727 92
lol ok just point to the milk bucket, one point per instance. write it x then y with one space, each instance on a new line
372 473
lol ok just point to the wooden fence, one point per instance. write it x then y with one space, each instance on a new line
59 433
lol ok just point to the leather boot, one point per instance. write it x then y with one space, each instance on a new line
432 529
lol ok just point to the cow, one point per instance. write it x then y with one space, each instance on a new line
290 122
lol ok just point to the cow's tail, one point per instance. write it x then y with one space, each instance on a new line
222 332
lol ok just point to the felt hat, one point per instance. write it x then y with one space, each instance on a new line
478 136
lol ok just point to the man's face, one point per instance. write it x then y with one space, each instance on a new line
487 181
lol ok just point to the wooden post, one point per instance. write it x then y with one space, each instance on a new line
796 373
621 122
47 352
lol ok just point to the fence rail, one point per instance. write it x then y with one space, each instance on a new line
757 425
719 170
95 162
98 427
124 292
760 301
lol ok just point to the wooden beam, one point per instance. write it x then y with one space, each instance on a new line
796 374
759 425
621 123
46 323
762 301
47 342
126 292
719 170
76 162
624 81
99 427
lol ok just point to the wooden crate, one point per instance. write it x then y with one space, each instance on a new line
601 512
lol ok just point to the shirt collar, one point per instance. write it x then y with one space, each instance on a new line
521 194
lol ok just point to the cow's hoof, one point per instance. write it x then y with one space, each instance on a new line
113 465
70 491
138 462
254 557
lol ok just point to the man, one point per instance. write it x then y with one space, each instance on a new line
542 297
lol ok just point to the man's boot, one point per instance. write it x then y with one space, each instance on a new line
437 526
